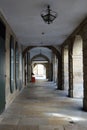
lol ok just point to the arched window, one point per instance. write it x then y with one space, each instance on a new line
17 65
12 77
2 65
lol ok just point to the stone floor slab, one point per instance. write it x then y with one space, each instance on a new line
29 127
41 107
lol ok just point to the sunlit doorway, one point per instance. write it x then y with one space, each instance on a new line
39 71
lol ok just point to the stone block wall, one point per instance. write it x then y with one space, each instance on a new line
9 97
81 30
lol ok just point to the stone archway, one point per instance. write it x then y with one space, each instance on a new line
40 55
46 63
57 53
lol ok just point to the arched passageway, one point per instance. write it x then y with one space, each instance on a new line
39 71
58 65
73 67
41 66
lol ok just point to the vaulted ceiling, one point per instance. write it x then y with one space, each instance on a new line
41 51
24 18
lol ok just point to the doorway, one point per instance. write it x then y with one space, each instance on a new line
39 71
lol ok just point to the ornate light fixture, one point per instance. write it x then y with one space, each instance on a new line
48 15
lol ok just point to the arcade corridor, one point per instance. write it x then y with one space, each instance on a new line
43 39
41 107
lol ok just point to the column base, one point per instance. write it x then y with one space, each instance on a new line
84 104
70 93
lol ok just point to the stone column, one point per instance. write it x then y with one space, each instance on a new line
25 70
60 73
50 71
55 69
20 68
47 70
70 91
84 38
29 68
62 68
58 77
85 74
53 60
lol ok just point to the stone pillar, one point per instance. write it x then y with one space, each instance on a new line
78 67
47 71
60 74
29 68
57 71
20 68
62 68
50 72
85 73
70 91
25 70
53 60
29 71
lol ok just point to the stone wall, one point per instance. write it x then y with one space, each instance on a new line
81 30
9 97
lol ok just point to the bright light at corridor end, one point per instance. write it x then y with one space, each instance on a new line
39 71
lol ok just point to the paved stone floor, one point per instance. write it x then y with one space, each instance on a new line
41 107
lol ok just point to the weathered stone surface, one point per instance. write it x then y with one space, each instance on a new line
8 95
40 107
